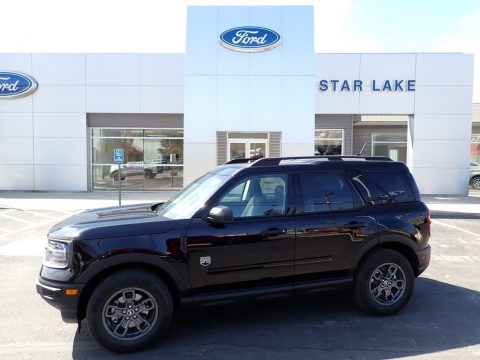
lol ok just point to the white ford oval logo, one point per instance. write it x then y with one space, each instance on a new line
15 85
205 260
249 39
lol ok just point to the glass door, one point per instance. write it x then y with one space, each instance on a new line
247 149
237 150
257 149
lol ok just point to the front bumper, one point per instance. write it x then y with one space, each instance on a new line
56 295
423 257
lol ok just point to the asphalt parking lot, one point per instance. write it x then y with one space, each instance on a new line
441 321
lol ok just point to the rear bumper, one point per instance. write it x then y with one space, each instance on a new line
56 295
423 257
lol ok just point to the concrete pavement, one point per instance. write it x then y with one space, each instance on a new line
75 201
68 201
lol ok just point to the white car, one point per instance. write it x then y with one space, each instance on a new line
132 168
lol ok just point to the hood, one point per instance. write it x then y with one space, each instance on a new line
112 222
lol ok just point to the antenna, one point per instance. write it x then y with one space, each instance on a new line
363 148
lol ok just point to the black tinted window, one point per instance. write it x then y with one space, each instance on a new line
383 187
325 191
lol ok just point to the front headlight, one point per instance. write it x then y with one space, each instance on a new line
58 254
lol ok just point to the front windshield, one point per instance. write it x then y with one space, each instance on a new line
193 197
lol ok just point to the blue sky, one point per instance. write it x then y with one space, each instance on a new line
159 25
408 25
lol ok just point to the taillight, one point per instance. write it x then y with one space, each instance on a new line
428 222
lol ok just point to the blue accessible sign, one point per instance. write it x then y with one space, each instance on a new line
118 156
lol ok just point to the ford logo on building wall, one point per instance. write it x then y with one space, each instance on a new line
249 39
14 85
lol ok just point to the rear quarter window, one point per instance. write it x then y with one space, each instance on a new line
384 187
325 191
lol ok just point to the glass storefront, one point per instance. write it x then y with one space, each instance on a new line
393 145
153 158
329 142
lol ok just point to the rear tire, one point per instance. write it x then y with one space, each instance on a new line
384 283
129 310
475 182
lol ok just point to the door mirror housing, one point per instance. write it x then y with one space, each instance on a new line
220 215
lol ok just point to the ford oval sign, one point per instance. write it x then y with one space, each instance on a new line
15 85
249 39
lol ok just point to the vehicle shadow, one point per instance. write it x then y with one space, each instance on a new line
439 317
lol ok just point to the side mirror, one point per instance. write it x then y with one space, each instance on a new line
220 215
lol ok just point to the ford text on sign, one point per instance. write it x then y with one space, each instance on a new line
249 39
15 85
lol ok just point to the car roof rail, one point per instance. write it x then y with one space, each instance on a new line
239 161
316 159
308 159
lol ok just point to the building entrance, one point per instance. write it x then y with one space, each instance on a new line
242 147
251 149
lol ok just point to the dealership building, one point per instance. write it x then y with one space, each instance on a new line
249 85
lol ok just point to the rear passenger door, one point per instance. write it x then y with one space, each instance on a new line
332 224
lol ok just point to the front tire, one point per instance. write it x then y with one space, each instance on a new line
114 176
129 310
383 283
149 174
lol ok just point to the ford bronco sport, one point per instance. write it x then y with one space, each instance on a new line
244 231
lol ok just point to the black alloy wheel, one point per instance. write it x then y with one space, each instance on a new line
383 283
129 310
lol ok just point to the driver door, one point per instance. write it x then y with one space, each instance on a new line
257 249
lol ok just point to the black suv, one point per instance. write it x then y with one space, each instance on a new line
245 230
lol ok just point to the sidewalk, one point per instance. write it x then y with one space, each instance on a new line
455 204
59 201
68 201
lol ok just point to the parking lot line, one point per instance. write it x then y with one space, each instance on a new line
32 246
456 228
16 219
6 231
37 213
456 258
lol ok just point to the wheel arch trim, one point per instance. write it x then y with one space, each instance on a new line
156 264
399 243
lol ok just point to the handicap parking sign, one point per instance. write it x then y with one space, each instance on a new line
118 156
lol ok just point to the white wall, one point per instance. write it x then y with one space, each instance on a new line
43 137
227 90
442 123
439 135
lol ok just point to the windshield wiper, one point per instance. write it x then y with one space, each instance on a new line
387 198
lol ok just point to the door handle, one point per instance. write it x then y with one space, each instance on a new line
354 225
273 232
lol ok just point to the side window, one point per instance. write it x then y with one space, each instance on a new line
235 194
260 195
325 191
383 187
